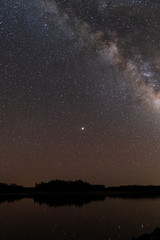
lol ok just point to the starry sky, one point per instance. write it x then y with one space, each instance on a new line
80 91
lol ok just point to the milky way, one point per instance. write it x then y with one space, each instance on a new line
124 43
80 91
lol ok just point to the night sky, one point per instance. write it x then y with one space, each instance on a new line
80 91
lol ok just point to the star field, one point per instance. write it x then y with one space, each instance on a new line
80 91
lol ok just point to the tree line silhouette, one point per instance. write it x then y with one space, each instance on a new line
54 193
57 193
61 185
6 188
52 186
134 191
79 186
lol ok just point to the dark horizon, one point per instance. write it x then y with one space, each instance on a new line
77 181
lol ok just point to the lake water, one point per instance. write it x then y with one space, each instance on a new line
110 219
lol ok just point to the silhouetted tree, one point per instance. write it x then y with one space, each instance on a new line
61 185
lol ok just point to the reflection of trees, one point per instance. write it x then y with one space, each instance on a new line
55 200
67 200
10 198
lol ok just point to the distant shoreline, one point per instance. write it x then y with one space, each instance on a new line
80 188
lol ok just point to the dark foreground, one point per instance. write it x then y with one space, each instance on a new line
155 235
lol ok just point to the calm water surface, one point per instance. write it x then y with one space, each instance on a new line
110 219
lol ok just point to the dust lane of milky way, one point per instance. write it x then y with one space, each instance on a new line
80 91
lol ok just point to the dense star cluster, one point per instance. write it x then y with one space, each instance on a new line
80 91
